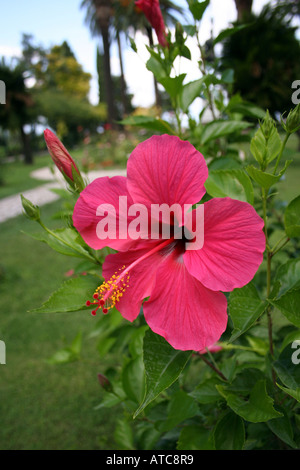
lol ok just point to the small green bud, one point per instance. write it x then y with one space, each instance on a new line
32 211
179 34
292 123
267 126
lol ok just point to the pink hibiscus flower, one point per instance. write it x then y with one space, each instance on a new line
186 303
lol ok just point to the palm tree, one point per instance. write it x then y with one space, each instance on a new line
99 15
106 17
130 19
244 8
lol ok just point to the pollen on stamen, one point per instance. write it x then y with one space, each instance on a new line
109 293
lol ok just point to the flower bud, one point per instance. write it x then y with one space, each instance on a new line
267 126
105 383
32 211
292 123
152 11
179 34
63 160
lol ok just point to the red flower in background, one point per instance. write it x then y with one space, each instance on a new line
152 11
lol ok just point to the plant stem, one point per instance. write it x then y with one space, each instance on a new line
53 234
269 257
273 250
287 135
280 247
204 72
213 367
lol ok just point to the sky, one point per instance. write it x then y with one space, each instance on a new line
54 22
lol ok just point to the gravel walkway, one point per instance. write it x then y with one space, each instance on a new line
11 206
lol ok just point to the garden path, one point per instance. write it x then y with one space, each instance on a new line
11 206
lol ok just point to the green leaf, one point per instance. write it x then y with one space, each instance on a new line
104 346
173 85
180 408
148 122
258 345
266 180
265 151
216 129
65 241
132 44
293 393
71 296
288 277
163 365
282 428
189 93
246 109
229 433
155 66
133 379
228 76
228 32
290 338
292 218
69 354
257 409
147 436
136 341
195 438
232 183
206 392
287 367
288 304
224 163
245 307
123 435
198 8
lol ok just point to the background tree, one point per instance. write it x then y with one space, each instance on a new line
130 19
122 99
99 14
265 60
243 9
61 89
19 108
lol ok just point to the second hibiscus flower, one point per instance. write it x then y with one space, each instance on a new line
184 287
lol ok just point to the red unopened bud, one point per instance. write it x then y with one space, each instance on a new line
104 382
59 154
152 11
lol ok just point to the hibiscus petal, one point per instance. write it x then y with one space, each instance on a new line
141 281
233 245
103 191
166 170
183 311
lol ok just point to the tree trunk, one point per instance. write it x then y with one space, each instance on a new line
108 78
123 83
25 139
156 90
244 8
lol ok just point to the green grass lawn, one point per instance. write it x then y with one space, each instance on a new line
15 176
44 406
